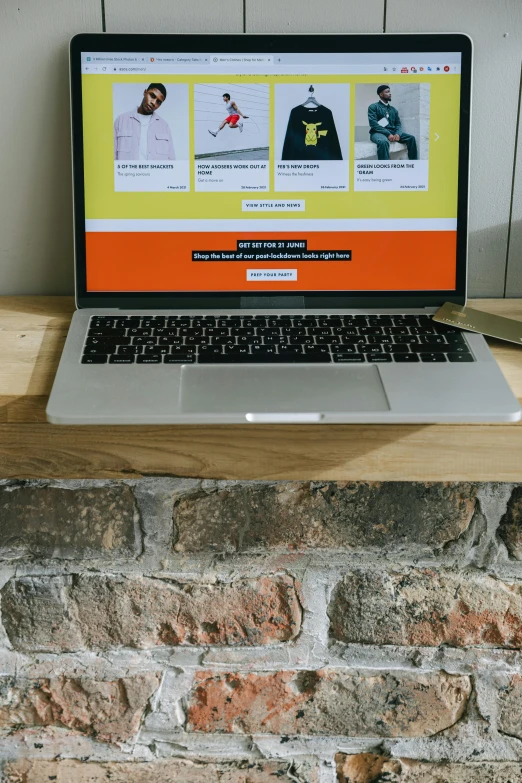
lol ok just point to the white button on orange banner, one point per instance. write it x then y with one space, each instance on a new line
271 274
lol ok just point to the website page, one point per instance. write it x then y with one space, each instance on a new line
253 172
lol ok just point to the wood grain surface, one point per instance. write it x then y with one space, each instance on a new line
32 333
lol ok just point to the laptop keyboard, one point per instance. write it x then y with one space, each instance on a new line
270 339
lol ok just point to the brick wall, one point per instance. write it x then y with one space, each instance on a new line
245 632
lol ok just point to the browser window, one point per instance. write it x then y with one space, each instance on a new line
270 172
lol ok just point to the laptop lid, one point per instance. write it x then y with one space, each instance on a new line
270 171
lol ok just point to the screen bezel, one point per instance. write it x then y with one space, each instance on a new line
259 44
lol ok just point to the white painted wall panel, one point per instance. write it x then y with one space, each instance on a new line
314 16
496 29
165 16
36 248
514 271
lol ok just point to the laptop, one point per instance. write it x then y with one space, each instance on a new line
264 227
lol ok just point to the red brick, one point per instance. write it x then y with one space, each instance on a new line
510 528
510 716
371 768
426 608
95 611
41 521
317 515
110 711
329 701
168 771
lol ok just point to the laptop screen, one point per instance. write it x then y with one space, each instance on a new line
238 172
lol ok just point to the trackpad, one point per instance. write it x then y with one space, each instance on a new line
274 389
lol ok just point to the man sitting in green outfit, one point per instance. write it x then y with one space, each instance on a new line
385 126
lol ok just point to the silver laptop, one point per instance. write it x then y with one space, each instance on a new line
264 226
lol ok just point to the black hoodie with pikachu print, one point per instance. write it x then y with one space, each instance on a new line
311 135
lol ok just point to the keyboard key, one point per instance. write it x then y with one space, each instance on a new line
97 322
460 357
264 358
285 350
432 357
170 340
422 330
197 340
165 331
292 330
140 332
455 339
372 330
329 340
406 357
178 322
344 331
94 358
396 330
182 350
302 340
432 339
116 359
317 349
223 340
216 332
156 349
239 350
146 340
429 348
409 320
344 348
349 358
179 359
396 348
242 332
129 350
209 349
149 359
108 340
381 339
127 323
93 350
102 331
459 349
248 339
370 349
379 357
265 348
320 330
188 331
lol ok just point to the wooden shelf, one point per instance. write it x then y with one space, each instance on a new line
32 333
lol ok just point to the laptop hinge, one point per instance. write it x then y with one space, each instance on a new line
276 302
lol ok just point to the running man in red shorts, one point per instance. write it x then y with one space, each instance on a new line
234 114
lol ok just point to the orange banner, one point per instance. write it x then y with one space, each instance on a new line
381 260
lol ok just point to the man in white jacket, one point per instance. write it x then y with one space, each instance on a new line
140 134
